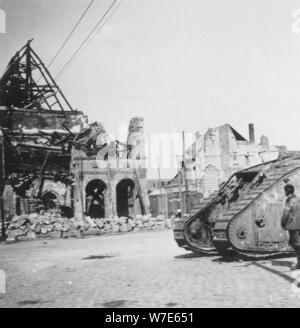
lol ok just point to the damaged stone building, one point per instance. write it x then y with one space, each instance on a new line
112 175
49 154
220 152
210 161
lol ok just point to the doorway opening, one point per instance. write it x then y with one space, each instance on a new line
95 206
50 200
125 198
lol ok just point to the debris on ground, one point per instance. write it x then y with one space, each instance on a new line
52 225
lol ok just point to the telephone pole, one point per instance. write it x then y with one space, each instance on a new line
186 196
164 197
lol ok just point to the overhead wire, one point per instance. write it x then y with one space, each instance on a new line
100 27
71 33
91 34
68 37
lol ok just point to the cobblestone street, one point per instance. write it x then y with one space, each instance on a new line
138 270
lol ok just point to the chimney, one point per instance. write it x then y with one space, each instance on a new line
251 133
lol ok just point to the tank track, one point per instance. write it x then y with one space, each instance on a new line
222 233
180 226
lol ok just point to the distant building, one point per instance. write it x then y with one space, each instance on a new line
214 157
156 184
220 152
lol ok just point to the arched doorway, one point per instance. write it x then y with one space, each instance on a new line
125 198
95 206
50 200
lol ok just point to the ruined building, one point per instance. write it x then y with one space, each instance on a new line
48 151
221 151
113 176
214 157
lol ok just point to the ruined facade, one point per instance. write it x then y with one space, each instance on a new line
221 151
51 158
37 158
38 126
111 181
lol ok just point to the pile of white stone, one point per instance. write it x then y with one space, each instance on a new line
52 225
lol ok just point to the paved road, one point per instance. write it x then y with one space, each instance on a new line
138 270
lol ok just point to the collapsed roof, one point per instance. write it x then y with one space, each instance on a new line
38 123
27 83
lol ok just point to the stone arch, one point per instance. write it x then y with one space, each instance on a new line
94 197
50 199
125 197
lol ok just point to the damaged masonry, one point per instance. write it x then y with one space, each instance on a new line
53 161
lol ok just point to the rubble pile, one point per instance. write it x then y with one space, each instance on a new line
52 225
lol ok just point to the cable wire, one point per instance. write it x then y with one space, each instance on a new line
86 39
71 33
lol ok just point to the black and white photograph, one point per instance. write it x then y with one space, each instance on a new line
149 156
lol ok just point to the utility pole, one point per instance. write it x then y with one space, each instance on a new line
186 196
180 182
164 197
196 161
159 176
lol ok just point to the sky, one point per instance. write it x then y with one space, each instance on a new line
181 64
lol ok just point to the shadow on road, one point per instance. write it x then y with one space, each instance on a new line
278 273
234 257
194 255
32 303
227 259
98 257
115 304
259 264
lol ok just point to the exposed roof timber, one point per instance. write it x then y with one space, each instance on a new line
27 83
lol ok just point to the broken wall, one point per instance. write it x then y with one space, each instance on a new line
113 163
222 151
28 119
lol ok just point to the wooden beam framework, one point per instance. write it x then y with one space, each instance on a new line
28 84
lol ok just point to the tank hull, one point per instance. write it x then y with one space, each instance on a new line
256 229
248 222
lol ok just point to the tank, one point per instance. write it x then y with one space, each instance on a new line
244 216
